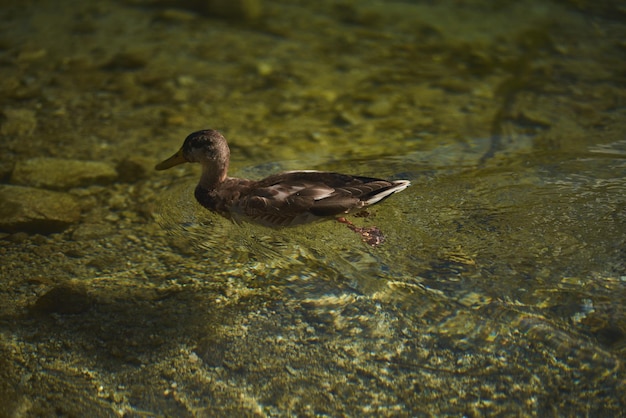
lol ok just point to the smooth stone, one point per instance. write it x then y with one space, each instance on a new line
126 61
176 15
134 168
91 231
380 107
62 174
234 9
26 209
63 299
12 87
6 168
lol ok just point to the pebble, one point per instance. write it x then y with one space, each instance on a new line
346 117
234 9
6 168
63 299
92 231
27 55
380 107
27 209
18 122
176 15
14 88
62 174
126 61
134 168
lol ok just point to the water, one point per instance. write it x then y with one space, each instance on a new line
498 289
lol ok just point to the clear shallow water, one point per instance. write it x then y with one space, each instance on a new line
499 287
486 271
492 228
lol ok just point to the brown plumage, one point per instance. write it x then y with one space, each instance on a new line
283 199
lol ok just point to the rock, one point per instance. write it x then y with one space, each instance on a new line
14 88
92 231
247 10
61 174
18 122
380 107
126 61
29 55
63 299
33 210
176 15
6 168
134 168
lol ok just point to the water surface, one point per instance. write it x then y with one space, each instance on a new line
499 288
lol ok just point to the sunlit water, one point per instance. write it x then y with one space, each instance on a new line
493 275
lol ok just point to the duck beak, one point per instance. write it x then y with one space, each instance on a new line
172 161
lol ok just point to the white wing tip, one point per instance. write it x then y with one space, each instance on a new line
398 186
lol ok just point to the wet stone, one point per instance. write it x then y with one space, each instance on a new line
134 168
63 299
92 231
232 9
18 122
62 174
6 168
26 209
175 15
126 61
29 55
380 107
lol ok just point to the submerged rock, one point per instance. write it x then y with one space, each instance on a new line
6 168
18 122
91 231
26 209
126 61
62 174
134 168
63 299
379 107
232 9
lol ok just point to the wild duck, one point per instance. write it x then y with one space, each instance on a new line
283 199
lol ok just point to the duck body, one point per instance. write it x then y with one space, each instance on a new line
283 199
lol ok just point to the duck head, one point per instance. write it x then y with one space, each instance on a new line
204 147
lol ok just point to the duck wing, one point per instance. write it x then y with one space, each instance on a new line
297 197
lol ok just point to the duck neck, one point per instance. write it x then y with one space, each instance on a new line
213 174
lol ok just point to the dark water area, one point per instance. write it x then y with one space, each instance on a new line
498 289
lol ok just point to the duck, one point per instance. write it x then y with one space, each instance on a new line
284 199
